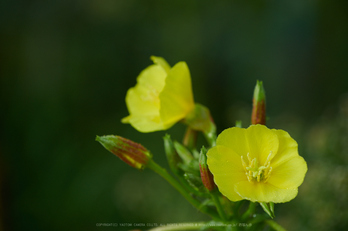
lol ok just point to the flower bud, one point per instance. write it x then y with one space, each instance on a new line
130 152
258 115
207 177
183 152
172 156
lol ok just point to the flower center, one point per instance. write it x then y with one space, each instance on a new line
256 173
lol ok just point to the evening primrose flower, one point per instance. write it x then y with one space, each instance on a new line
257 164
161 97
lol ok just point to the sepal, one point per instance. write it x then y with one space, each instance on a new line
268 208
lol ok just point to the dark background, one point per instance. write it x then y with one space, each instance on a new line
66 67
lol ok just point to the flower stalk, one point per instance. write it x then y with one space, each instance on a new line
190 138
174 161
249 212
215 196
200 119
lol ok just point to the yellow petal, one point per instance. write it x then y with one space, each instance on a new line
287 148
126 119
227 169
235 139
257 140
162 62
145 123
176 99
143 100
289 174
261 192
140 102
153 78
262 142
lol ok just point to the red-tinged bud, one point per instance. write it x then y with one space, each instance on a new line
258 115
130 152
207 177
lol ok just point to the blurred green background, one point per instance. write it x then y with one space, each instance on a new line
66 67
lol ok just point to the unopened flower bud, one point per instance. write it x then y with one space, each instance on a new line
172 156
258 115
130 152
183 152
207 177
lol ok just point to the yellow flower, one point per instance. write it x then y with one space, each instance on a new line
257 164
161 97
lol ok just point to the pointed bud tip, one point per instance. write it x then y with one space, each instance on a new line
259 92
130 152
166 136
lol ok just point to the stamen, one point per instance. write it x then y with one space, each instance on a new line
249 179
249 158
268 157
243 163
253 163
268 174
259 175
254 172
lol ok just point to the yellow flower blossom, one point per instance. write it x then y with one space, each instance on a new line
161 97
257 164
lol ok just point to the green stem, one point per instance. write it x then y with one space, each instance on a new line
163 173
274 225
236 207
250 211
210 138
218 205
180 226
